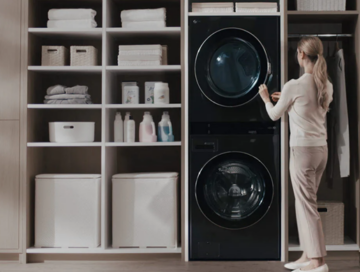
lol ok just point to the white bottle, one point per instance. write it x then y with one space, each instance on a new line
126 119
161 93
130 95
147 131
118 128
165 132
130 130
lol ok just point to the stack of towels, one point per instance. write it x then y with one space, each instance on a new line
256 7
142 55
212 7
59 94
71 18
143 18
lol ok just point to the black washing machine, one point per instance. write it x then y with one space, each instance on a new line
234 192
229 57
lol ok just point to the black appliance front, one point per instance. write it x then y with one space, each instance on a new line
229 57
234 189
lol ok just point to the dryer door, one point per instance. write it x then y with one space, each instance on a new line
234 190
230 66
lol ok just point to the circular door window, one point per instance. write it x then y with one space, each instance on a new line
234 190
230 66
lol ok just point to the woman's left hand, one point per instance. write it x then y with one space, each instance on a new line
264 93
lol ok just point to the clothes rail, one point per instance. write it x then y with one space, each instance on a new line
321 35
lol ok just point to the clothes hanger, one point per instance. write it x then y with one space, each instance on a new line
337 47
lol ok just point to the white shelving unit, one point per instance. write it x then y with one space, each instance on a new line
348 245
104 81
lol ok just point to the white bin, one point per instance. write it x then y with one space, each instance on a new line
145 210
67 210
72 132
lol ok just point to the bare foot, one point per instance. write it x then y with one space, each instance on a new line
303 258
314 263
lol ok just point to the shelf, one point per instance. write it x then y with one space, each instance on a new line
235 14
119 32
68 33
349 245
47 144
160 68
322 17
137 144
143 106
74 106
72 69
102 251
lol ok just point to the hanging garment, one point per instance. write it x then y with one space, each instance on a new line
338 121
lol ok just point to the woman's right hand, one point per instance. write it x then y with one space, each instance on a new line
276 96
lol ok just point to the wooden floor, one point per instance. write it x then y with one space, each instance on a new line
167 266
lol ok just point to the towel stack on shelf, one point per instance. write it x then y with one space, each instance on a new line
71 18
142 55
144 18
223 7
59 94
254 7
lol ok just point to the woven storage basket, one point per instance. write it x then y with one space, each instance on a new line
54 56
332 217
321 5
83 56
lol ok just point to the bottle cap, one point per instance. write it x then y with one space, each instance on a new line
131 118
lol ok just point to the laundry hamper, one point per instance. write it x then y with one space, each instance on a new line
83 56
67 210
321 5
145 210
332 217
54 56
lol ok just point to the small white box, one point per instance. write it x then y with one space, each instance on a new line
83 56
145 210
67 210
149 92
54 56
72 132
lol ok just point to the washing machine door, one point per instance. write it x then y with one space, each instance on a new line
234 190
230 66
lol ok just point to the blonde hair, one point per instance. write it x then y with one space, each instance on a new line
313 49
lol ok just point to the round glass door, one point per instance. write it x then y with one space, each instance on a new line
234 190
230 66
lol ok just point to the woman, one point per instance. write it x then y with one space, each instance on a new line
307 101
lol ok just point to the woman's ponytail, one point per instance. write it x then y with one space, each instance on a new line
313 49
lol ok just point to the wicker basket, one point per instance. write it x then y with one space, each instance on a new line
83 56
54 56
332 217
321 5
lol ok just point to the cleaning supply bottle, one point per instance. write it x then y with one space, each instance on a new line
126 119
130 130
165 131
147 129
118 128
161 93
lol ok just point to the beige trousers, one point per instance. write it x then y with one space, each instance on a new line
307 165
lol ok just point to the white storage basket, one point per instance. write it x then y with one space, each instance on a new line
83 56
72 132
321 5
67 210
332 217
54 56
145 210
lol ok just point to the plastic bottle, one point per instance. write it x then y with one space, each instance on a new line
126 119
161 93
147 131
118 128
130 130
165 132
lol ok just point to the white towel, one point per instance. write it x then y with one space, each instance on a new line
256 7
144 24
57 89
136 15
85 23
71 14
68 101
140 47
139 57
139 63
213 10
67 96
77 90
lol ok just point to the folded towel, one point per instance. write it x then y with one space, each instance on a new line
68 101
140 57
77 90
136 15
256 7
213 10
85 23
252 10
57 89
144 24
139 63
213 5
67 96
140 47
71 14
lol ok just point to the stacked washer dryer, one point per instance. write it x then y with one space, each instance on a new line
234 180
